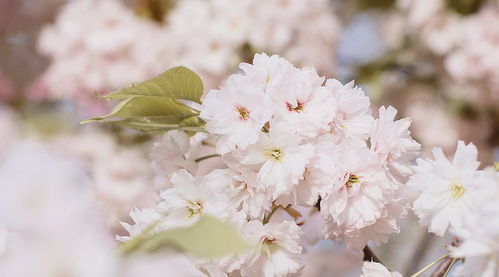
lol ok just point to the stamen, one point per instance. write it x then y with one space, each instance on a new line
298 108
243 113
275 154
352 179
457 190
194 208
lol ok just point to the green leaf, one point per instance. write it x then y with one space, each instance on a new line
157 105
140 107
158 126
208 238
153 115
176 83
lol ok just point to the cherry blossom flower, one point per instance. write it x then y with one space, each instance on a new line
448 190
305 107
279 160
393 143
184 203
356 197
268 72
480 233
278 251
237 112
353 115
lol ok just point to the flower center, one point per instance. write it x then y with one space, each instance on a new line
275 154
457 190
194 207
352 179
242 184
269 243
298 108
243 113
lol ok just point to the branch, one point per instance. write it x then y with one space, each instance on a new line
369 255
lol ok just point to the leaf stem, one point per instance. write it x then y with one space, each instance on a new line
206 157
429 265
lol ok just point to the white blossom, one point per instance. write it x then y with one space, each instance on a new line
237 112
278 251
393 143
279 160
448 190
352 118
480 233
184 203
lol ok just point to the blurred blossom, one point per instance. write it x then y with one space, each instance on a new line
475 57
420 12
101 45
467 42
430 121
56 225
119 177
53 182
9 128
52 203
98 46
7 92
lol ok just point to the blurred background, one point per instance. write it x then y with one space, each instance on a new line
436 61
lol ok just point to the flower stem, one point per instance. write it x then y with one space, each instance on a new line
269 215
450 267
206 157
430 265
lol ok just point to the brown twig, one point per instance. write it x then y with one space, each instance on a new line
369 255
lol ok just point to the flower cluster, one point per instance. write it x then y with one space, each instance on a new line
474 58
41 212
98 46
101 45
119 176
467 43
287 139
